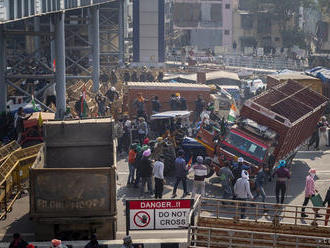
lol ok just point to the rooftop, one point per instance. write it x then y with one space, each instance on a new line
167 85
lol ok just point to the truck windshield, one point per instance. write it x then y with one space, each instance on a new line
246 146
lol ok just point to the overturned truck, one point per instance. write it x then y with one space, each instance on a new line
73 183
271 126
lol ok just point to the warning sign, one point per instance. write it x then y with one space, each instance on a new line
142 219
158 214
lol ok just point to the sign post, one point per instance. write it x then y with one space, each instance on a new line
157 214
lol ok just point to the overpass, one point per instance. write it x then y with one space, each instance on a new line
56 41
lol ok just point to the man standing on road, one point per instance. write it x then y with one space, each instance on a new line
282 175
127 126
237 171
199 107
242 191
158 172
200 172
309 192
146 171
180 173
259 182
226 177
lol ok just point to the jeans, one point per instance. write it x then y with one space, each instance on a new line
146 180
260 191
159 187
126 142
243 207
131 174
184 184
227 191
198 185
280 186
137 178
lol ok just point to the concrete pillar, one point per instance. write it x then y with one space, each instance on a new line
60 66
52 42
3 85
90 34
95 11
121 31
36 27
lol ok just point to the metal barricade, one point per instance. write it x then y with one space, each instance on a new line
14 172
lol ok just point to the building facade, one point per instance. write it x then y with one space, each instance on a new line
206 24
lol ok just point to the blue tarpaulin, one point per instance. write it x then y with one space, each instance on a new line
321 73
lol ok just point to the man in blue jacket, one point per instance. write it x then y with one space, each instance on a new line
181 170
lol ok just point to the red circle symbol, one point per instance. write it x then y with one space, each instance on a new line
141 219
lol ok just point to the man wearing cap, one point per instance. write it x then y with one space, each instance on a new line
309 191
146 171
237 171
226 177
180 173
158 172
242 191
200 172
282 175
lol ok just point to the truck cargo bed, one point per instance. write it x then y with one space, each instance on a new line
289 109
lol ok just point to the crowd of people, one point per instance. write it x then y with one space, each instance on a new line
144 168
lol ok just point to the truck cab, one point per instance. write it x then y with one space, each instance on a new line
253 142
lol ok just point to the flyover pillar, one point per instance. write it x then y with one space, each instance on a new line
95 32
3 85
60 66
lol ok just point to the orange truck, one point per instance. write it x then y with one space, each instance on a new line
271 126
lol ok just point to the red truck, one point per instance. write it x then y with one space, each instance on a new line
271 126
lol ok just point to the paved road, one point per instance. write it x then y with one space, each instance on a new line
18 220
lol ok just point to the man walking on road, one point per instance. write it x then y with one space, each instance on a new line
242 191
200 172
158 172
309 192
180 173
259 182
282 175
226 177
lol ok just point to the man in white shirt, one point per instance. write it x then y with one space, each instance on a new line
242 191
158 172
200 172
